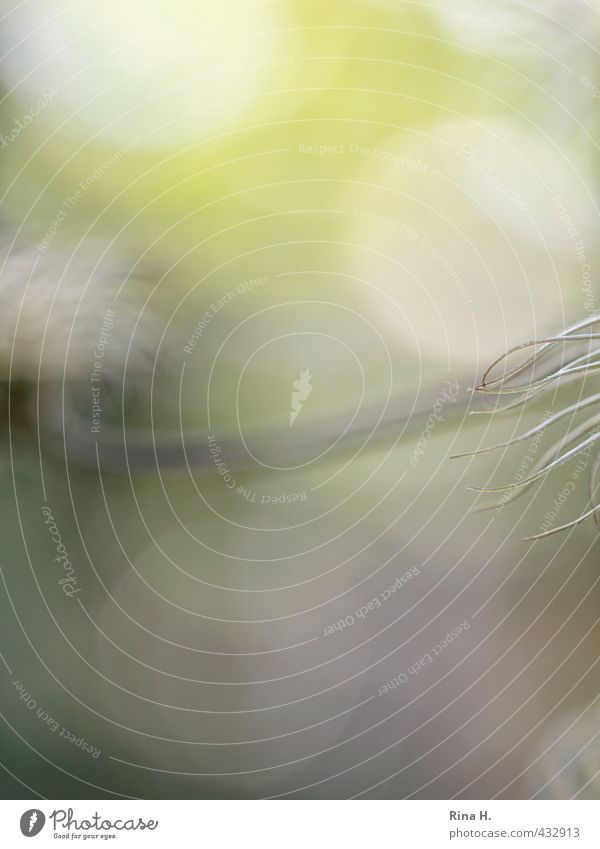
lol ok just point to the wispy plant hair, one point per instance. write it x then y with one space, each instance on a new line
542 368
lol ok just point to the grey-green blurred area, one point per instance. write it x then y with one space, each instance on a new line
254 257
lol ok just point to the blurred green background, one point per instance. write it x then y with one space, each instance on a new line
388 195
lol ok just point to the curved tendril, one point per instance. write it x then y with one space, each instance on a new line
571 524
546 346
542 380
567 378
526 482
568 369
483 508
573 408
512 406
592 486
567 439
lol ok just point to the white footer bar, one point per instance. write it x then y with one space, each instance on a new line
301 824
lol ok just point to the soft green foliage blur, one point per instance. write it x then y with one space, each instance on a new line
334 152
